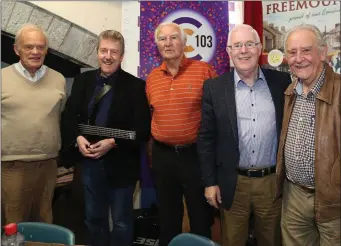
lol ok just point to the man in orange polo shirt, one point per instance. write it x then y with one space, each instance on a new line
174 91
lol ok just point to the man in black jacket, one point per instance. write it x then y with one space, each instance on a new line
238 138
112 107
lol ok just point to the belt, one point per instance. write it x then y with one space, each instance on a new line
257 173
305 188
176 147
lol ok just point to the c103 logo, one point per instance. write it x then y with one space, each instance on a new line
146 241
201 39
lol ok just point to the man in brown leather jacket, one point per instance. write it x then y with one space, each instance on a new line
308 161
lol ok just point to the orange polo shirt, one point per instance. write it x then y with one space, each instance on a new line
176 101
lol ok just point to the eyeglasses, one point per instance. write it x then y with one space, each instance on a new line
248 45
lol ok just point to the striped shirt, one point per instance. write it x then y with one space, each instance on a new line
176 101
256 119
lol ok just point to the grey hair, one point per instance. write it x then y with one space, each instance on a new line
113 36
240 26
33 27
182 32
319 37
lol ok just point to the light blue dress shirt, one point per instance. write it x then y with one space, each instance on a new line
37 76
256 119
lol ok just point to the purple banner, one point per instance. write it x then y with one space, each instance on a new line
204 22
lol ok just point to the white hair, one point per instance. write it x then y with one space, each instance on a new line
319 37
241 26
182 32
32 27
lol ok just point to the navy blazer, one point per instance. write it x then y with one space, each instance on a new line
218 143
129 110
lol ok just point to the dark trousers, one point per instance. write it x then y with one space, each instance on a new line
178 174
99 196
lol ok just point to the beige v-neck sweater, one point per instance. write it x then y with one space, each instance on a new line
30 115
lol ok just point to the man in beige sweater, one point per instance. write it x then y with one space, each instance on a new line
32 99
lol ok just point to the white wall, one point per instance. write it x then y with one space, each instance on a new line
131 34
237 17
95 16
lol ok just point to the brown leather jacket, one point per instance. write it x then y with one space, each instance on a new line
327 147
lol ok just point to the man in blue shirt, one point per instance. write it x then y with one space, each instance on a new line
237 141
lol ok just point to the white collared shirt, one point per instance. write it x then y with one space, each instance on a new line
37 76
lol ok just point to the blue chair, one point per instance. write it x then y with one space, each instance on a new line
188 239
46 233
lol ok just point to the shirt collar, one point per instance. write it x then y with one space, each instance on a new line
105 80
27 73
183 63
237 78
298 89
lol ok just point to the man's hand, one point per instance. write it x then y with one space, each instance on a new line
100 148
83 146
212 194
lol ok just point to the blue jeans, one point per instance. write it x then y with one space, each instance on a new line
99 196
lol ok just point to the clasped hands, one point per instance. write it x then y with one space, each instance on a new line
96 150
